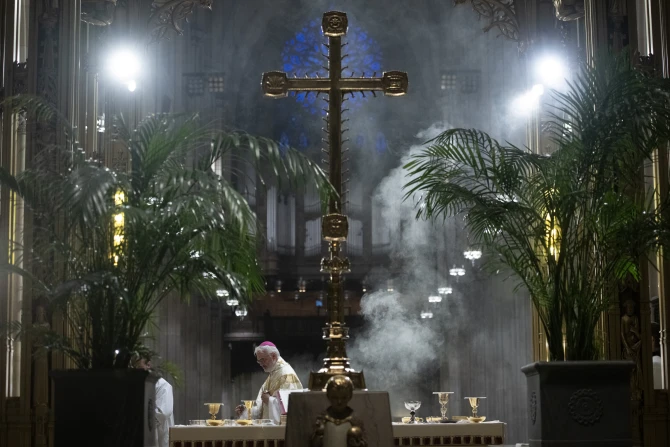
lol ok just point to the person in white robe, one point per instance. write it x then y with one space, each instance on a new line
164 407
280 377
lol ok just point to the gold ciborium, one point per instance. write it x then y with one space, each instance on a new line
474 403
443 399
213 409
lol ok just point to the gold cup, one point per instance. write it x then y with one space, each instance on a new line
474 404
248 404
443 399
213 409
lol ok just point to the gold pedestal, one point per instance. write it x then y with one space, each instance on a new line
336 362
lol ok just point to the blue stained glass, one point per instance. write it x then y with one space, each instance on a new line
303 54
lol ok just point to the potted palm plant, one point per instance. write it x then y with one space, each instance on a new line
571 225
109 245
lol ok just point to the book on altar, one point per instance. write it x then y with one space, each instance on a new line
282 396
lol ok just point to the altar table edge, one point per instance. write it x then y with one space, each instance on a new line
434 435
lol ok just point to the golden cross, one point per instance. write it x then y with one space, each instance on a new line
277 84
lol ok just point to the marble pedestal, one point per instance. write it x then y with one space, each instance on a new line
372 407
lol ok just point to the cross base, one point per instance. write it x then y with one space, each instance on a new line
319 379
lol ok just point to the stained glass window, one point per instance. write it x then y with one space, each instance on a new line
303 54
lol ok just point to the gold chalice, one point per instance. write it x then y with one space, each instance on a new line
213 410
248 404
474 403
443 399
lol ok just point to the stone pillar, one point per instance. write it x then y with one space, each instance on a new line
595 22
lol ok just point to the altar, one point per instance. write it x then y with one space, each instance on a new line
436 435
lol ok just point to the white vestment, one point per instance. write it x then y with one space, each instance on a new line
164 410
282 377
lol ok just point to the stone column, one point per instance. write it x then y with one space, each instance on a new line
595 22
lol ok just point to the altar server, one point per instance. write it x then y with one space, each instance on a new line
280 377
164 406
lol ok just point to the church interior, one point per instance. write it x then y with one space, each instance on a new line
424 310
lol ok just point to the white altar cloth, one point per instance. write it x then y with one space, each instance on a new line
435 435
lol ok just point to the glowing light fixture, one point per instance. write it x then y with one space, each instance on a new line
232 302
445 291
389 285
425 315
278 286
241 312
472 255
118 222
435 299
222 293
550 70
124 66
457 271
302 285
553 235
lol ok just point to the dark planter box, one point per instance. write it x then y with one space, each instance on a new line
113 408
579 404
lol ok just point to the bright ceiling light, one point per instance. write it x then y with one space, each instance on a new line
124 65
457 271
132 85
445 290
550 70
222 293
